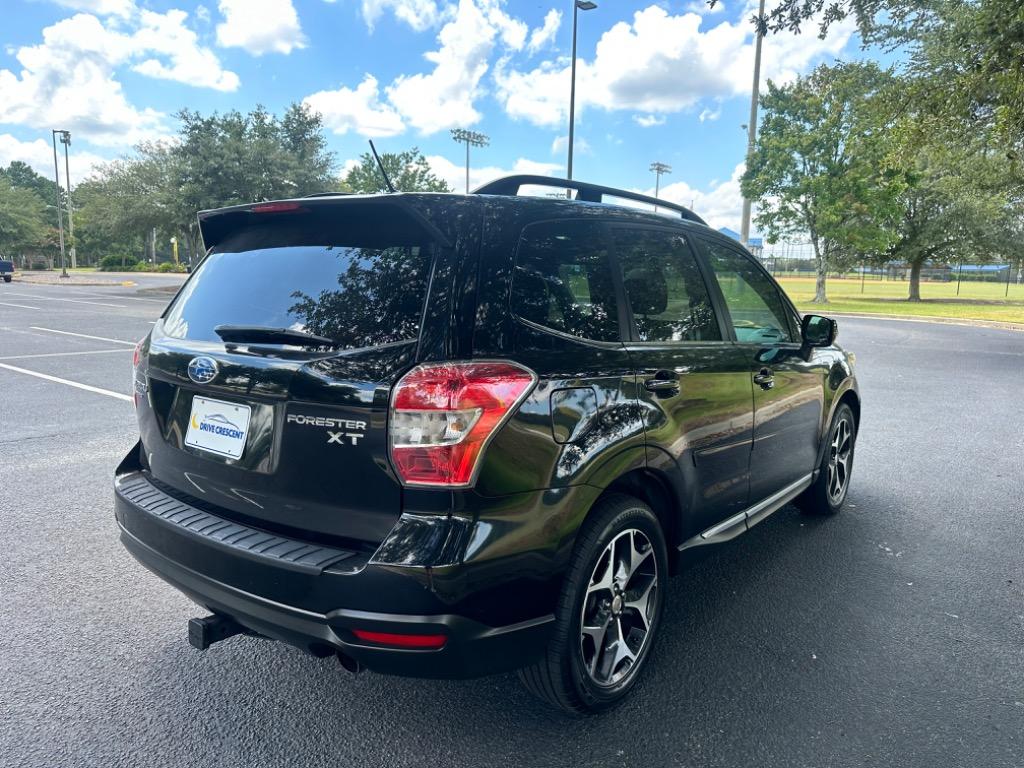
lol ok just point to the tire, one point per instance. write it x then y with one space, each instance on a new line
7 278
822 497
578 673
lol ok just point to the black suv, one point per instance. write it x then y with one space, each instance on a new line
444 436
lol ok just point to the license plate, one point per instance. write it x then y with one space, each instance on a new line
218 427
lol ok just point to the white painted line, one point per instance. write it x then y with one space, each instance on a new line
83 335
64 354
69 383
19 306
73 301
124 298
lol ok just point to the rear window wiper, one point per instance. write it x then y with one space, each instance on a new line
260 334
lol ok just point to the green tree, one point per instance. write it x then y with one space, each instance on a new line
816 168
408 171
22 219
23 176
957 202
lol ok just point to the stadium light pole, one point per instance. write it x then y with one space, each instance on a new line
752 123
65 139
469 138
659 168
577 6
60 217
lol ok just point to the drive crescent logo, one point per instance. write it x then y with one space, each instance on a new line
202 370
195 423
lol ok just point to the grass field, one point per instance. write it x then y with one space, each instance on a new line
977 300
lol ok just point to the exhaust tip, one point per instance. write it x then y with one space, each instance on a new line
349 663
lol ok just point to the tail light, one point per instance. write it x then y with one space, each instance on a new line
444 414
136 359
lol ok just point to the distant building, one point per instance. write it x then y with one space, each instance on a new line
755 244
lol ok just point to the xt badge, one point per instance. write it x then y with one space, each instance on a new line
339 431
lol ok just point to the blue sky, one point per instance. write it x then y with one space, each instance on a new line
665 81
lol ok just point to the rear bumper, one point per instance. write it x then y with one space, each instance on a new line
311 596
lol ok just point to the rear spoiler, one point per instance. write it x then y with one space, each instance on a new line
217 225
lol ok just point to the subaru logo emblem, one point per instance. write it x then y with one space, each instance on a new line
202 370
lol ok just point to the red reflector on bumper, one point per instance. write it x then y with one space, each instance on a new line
401 641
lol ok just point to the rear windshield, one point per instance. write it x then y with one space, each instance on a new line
357 294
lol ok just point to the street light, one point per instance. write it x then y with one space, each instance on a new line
469 138
65 139
659 168
752 123
578 5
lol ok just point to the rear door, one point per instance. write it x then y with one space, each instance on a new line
788 386
287 436
694 384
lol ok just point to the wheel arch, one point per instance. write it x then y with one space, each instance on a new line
655 490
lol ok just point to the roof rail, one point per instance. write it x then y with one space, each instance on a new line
590 193
325 194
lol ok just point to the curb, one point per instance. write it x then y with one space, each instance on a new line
1000 324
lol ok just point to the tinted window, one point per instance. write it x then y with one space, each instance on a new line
357 295
665 288
562 280
757 311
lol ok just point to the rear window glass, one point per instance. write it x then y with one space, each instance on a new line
562 280
358 295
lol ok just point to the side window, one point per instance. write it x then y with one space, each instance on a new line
758 313
562 280
665 288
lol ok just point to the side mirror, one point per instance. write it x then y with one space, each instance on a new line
818 331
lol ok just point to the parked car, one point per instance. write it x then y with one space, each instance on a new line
449 435
6 270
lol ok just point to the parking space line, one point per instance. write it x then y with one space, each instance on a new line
63 354
73 301
83 335
68 382
19 306
125 298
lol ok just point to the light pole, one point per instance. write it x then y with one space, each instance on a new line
60 218
469 138
65 139
659 168
577 6
752 124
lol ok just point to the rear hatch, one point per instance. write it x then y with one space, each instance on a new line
269 375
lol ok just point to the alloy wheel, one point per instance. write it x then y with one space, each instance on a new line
619 608
840 455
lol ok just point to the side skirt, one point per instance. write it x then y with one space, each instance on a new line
748 518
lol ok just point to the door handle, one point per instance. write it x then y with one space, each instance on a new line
764 378
664 383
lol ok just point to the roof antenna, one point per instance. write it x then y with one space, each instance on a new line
381 166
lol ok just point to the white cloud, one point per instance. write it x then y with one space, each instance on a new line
455 173
418 14
660 63
721 204
358 110
561 145
444 97
189 62
39 155
260 26
649 121
708 114
701 7
67 81
122 8
543 35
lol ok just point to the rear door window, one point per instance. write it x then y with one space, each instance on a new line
563 281
667 293
346 285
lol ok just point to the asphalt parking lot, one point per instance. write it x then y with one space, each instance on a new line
891 635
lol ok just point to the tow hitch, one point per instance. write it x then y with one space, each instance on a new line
202 633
